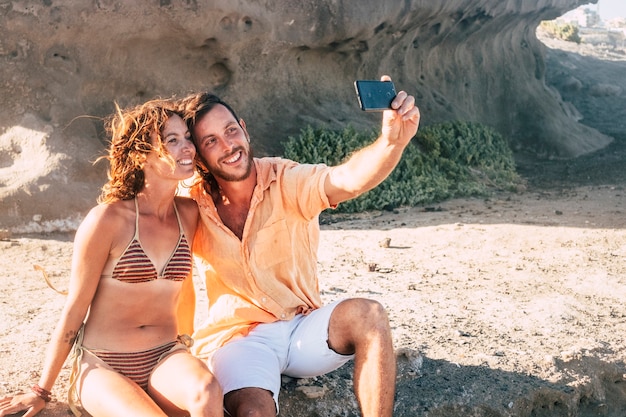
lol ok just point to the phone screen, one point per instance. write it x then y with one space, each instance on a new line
375 95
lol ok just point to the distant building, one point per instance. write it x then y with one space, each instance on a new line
583 16
617 23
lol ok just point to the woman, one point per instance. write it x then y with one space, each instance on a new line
131 259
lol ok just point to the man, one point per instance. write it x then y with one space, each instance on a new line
257 250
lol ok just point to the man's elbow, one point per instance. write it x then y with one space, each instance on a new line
340 186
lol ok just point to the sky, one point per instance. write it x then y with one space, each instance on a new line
610 9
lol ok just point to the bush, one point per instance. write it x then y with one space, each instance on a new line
565 31
443 161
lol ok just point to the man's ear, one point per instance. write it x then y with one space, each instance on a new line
242 123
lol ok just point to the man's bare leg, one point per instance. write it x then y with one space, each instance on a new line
250 402
361 326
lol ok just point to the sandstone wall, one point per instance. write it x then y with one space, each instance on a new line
281 63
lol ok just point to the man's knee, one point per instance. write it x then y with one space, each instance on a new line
369 311
357 320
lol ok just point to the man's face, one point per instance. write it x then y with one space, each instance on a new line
223 144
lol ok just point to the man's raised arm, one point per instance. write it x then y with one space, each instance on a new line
369 166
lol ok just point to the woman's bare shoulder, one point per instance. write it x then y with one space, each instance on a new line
110 212
106 218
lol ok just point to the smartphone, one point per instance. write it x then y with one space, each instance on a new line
375 95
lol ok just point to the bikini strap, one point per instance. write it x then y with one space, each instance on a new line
181 231
136 220
76 358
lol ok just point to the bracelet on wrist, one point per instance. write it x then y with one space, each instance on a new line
44 394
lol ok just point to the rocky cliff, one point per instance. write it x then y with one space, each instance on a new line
283 64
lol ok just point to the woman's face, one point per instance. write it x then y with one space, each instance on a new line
179 160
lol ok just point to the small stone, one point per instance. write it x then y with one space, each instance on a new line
415 358
312 391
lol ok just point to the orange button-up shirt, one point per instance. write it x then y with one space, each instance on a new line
271 273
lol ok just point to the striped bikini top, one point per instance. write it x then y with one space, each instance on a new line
134 266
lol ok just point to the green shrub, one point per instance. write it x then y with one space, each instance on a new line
443 161
565 31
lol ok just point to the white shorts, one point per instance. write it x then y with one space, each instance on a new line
296 348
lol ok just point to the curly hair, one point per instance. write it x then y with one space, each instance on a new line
130 131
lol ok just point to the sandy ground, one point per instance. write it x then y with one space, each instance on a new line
511 305
525 284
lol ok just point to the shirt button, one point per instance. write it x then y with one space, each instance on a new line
282 316
264 299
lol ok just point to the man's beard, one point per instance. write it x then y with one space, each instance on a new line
225 176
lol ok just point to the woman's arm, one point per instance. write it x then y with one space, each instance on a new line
90 252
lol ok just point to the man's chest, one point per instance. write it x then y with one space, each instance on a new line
234 218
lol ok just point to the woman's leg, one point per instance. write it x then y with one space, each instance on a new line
182 383
106 393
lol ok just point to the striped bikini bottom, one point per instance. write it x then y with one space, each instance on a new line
137 366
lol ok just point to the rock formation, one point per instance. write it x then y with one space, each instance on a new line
283 64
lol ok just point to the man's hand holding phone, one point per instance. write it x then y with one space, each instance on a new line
400 124
375 95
